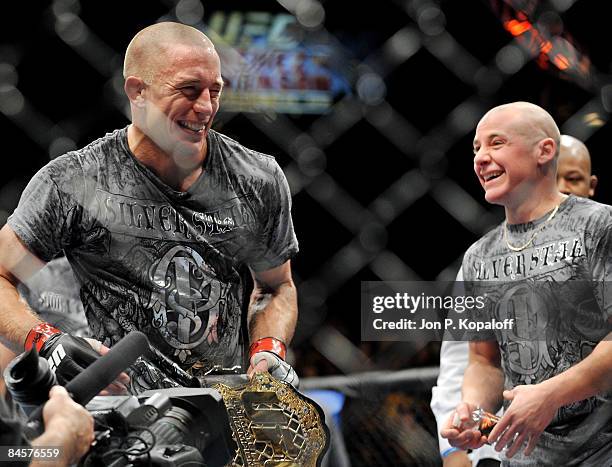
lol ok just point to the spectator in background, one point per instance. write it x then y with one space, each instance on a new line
574 168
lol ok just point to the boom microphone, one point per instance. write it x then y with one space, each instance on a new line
105 369
98 375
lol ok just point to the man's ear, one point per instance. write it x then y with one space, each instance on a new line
592 185
134 88
548 149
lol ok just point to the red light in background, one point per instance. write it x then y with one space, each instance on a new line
546 47
561 62
542 61
516 27
521 15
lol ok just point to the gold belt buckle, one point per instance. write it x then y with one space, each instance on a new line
273 424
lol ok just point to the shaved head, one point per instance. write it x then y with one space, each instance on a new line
173 81
515 157
575 149
148 52
528 120
574 168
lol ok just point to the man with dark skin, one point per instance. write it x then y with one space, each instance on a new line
156 220
574 168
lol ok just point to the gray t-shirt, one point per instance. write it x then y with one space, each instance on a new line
568 268
53 293
150 258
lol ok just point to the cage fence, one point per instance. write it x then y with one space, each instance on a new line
370 113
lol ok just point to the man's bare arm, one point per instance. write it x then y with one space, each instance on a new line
590 377
483 381
483 385
17 264
273 305
534 406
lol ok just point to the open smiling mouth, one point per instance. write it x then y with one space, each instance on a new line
192 127
492 176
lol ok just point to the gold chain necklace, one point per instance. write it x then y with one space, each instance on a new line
533 236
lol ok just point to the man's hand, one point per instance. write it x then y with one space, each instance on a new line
530 412
459 437
67 355
67 425
271 321
118 387
457 459
267 361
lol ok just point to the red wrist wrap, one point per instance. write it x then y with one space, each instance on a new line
270 344
39 334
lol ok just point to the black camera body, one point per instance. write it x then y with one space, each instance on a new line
167 427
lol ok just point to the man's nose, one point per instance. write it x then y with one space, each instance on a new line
481 158
203 104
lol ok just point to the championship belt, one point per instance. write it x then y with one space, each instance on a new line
273 424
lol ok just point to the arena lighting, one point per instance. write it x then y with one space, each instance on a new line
541 42
537 44
516 27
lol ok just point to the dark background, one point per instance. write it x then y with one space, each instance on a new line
382 184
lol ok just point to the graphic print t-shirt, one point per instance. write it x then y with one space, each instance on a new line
154 259
568 270
53 294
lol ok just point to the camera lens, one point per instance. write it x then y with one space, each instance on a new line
173 427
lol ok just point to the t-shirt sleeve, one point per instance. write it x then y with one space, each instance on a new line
601 270
277 242
46 211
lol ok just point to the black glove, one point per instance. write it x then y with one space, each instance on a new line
67 355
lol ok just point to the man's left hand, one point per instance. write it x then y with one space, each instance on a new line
121 383
528 415
267 361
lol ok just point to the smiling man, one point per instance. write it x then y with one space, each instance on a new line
558 384
573 177
158 220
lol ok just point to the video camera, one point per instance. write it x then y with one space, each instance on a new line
257 420
168 427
